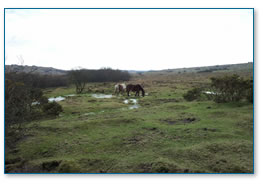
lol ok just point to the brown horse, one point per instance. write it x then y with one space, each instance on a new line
134 88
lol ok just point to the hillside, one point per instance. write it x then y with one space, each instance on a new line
204 69
35 70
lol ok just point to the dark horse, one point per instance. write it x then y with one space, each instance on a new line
134 88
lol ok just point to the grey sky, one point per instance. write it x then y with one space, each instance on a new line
129 39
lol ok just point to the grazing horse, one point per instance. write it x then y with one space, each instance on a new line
134 88
119 88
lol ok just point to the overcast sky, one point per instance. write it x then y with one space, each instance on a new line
128 39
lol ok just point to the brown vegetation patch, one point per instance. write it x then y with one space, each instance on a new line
150 135
50 165
209 129
161 167
178 107
172 121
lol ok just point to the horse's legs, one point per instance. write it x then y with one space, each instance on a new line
128 93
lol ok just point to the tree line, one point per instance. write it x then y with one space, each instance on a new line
82 76
23 90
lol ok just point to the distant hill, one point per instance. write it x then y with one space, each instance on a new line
34 70
203 69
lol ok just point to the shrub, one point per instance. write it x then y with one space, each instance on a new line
232 89
17 102
249 92
52 109
192 94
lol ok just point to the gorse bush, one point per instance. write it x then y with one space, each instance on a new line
249 92
232 89
192 94
17 102
23 102
52 109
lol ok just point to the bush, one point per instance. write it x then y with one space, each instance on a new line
192 94
24 101
52 109
17 102
232 89
249 92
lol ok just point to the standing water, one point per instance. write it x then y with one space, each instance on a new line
56 99
134 101
101 95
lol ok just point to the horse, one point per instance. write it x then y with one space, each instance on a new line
135 88
119 88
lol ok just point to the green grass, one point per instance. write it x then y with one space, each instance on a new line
165 135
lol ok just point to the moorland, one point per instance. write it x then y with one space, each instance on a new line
101 132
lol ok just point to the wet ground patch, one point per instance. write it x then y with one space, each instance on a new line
134 103
102 95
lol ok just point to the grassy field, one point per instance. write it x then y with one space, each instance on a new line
166 134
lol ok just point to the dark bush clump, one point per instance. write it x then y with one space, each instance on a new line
249 92
192 94
232 89
24 101
52 109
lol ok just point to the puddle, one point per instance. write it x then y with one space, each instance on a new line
134 106
89 113
56 99
35 103
102 95
134 101
70 95
210 92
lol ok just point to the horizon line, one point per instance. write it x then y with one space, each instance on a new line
146 70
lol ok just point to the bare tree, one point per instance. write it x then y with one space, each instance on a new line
79 78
